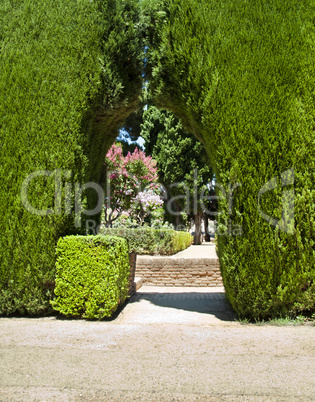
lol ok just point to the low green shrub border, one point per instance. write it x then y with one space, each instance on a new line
152 241
91 275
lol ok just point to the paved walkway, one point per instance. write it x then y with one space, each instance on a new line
178 305
205 250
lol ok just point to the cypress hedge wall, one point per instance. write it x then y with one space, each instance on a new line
239 74
241 77
70 73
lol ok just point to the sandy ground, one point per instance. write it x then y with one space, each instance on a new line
166 345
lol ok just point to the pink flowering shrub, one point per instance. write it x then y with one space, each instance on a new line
127 177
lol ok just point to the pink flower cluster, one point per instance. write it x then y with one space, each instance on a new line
128 176
137 164
150 164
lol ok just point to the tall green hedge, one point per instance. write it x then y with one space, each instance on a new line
241 76
91 276
70 73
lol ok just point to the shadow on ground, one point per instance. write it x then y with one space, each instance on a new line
212 303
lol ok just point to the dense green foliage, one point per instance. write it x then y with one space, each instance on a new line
152 241
241 77
70 73
91 276
183 166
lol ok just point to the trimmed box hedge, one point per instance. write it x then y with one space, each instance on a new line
152 241
91 276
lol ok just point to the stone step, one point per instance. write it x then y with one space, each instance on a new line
179 271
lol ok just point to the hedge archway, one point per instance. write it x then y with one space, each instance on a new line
241 78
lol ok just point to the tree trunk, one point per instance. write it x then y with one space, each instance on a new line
206 222
197 235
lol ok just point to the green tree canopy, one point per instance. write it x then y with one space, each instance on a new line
182 162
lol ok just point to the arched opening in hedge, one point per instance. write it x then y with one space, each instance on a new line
240 76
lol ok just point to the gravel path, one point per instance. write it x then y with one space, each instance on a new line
177 344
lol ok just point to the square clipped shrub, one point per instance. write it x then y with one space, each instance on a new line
91 276
152 241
